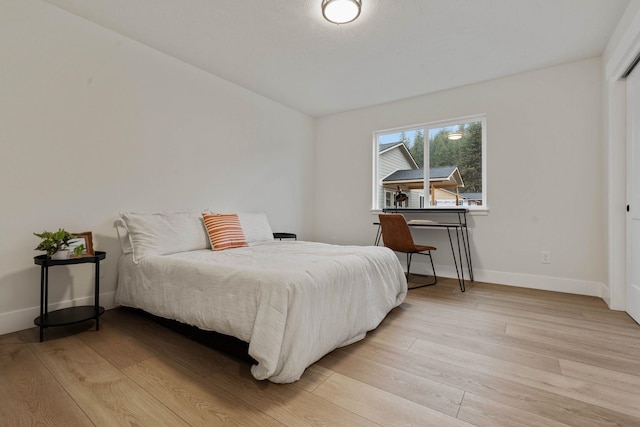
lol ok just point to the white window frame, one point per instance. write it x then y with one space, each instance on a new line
377 184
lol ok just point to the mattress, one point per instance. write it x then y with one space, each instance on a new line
292 301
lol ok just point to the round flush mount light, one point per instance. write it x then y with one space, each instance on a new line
341 11
453 136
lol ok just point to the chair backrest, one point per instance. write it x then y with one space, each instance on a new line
395 233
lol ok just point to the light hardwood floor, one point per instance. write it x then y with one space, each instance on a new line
493 356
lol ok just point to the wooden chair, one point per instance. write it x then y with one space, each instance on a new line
397 237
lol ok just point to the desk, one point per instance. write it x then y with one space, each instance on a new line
461 233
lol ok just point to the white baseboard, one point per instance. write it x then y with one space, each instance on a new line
547 283
18 320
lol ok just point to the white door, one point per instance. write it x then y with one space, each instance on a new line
633 194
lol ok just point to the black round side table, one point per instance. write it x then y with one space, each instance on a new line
69 315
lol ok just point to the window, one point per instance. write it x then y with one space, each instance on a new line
455 151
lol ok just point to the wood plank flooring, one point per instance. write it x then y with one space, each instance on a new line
492 356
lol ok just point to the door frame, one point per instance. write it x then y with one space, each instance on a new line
633 172
623 47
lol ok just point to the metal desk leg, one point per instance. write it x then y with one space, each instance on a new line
467 250
466 243
455 258
462 285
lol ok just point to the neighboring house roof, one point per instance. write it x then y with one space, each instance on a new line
384 148
472 196
443 172
448 176
405 175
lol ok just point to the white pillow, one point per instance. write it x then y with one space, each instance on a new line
255 227
165 233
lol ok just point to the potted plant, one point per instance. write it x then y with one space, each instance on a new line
56 244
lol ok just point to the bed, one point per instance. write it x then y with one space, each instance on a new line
291 301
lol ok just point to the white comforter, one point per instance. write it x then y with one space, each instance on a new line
292 301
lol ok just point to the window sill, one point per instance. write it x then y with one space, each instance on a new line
471 211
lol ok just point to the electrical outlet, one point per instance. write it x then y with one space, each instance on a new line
546 257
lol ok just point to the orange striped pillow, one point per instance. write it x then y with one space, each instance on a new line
224 231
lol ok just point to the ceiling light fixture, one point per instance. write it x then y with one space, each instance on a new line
341 11
454 136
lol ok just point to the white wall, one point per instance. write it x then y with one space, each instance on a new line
545 176
92 123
